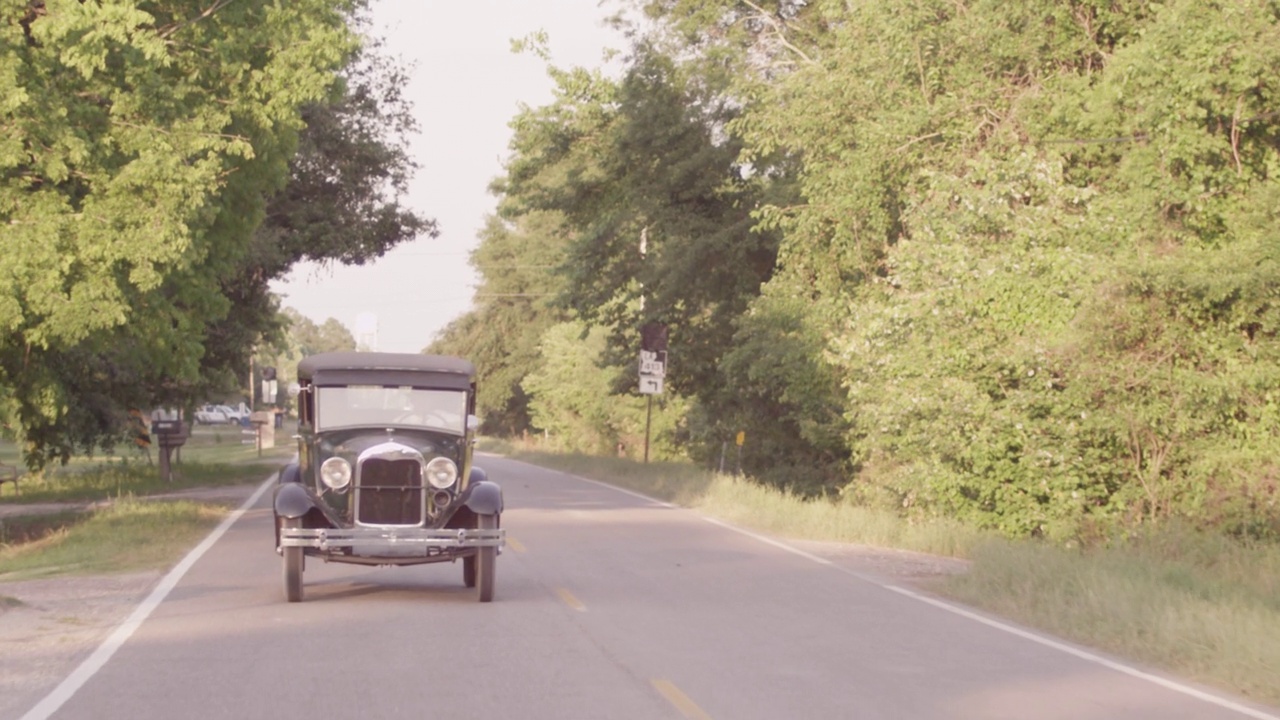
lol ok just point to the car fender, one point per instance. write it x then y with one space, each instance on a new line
484 498
290 473
292 500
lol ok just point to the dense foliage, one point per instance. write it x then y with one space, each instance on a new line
144 146
1015 264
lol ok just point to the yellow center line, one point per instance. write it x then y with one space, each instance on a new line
570 600
515 545
682 702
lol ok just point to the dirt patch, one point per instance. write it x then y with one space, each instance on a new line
47 626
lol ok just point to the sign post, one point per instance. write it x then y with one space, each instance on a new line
653 369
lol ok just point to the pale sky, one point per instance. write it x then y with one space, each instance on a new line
466 86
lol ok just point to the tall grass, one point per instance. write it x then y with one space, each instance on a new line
1201 606
749 504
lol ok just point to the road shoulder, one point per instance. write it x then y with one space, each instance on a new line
49 625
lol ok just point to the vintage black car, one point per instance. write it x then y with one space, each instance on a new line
383 474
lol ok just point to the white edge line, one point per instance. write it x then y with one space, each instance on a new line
1166 683
778 544
92 664
1085 655
624 491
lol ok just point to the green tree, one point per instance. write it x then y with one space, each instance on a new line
516 262
657 212
141 150
342 202
571 399
309 338
647 170
301 337
1035 237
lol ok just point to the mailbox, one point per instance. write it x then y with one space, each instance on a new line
170 433
264 423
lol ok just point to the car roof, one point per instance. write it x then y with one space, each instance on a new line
354 368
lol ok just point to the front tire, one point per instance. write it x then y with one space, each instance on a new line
486 560
292 565
469 571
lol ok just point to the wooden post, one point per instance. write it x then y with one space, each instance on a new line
166 472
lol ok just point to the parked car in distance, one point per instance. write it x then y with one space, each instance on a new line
383 474
211 415
235 414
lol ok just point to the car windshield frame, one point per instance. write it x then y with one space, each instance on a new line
357 406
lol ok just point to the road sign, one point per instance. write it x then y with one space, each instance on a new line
653 368
742 437
653 337
651 363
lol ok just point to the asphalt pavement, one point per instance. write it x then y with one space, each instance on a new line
608 605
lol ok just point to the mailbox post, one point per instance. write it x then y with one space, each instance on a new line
169 434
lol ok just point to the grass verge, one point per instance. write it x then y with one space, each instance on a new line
112 480
129 534
1203 607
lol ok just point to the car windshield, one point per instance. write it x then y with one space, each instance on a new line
364 405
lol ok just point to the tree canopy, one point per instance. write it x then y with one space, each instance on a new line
1012 264
143 148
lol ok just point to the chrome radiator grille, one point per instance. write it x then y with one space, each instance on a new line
389 492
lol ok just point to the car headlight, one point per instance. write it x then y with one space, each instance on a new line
442 472
336 473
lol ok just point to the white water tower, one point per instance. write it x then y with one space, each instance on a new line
367 332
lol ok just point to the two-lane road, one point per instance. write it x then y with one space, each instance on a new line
608 605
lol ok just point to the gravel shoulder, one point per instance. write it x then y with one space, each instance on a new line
49 626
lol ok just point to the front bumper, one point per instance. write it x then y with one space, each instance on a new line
392 542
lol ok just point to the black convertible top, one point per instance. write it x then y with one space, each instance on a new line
377 368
